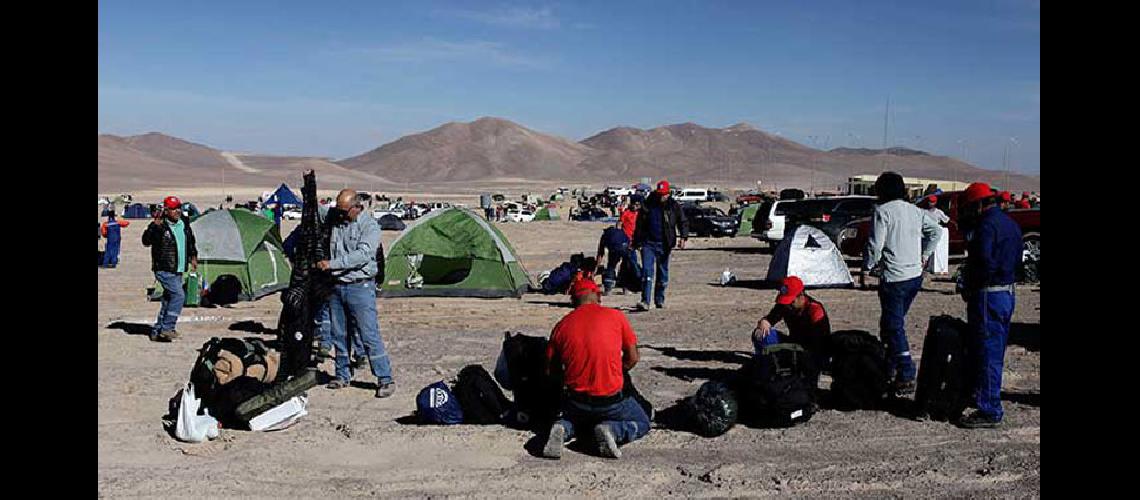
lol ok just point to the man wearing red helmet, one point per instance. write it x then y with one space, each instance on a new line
591 347
655 234
993 256
172 247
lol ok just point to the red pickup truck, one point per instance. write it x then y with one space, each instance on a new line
853 237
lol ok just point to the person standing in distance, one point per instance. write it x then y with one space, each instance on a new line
658 223
172 248
352 260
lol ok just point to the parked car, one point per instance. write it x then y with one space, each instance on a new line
397 210
853 238
768 226
717 196
292 214
750 198
710 221
692 195
830 214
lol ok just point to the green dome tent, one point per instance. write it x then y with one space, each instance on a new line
747 215
453 253
547 213
243 244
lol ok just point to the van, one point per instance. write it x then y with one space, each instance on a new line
768 225
693 195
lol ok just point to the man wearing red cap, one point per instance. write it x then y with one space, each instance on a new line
590 348
172 247
655 234
1006 200
994 254
808 324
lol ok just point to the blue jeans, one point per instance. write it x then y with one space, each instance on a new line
626 418
324 331
989 314
895 299
173 296
358 302
111 252
613 258
655 270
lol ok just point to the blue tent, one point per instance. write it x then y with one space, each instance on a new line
136 211
283 196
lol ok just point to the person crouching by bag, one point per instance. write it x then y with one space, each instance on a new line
808 324
590 346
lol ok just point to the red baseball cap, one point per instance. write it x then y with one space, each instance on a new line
933 198
790 288
172 202
1006 196
582 286
663 187
977 191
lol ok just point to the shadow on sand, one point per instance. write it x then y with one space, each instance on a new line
738 357
131 328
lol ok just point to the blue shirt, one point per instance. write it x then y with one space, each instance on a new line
656 223
353 252
179 230
993 251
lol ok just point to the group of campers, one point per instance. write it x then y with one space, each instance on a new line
591 350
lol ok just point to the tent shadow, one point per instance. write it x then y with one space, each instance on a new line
130 328
553 303
750 284
739 357
1027 335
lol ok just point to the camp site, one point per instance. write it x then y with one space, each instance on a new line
563 250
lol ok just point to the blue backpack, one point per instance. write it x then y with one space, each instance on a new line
436 404
559 279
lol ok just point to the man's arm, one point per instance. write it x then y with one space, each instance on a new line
877 239
601 248
152 233
931 233
630 356
553 360
364 252
682 221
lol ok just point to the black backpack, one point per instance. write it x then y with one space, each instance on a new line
859 370
713 410
629 276
482 400
777 385
943 381
538 397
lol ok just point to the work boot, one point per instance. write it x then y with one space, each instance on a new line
173 334
324 353
642 306
904 388
337 384
360 363
553 448
386 390
607 445
660 305
978 420
163 336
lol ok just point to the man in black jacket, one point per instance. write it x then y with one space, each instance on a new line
658 222
172 249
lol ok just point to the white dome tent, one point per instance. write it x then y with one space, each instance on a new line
810 255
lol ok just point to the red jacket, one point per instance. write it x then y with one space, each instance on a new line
628 222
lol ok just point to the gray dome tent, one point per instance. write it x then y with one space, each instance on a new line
810 255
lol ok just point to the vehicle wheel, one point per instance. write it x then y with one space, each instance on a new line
1031 258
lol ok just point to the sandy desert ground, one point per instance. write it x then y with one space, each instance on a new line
352 444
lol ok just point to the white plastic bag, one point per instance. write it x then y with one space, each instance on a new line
192 427
281 416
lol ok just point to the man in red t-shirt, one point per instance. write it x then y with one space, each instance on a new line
807 321
591 347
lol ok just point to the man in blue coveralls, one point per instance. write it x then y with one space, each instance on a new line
993 254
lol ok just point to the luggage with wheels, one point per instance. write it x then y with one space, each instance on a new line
859 371
943 381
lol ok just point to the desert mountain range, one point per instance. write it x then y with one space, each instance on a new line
493 148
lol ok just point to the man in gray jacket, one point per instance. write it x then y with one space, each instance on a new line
903 237
352 260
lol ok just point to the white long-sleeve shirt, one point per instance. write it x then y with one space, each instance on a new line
902 237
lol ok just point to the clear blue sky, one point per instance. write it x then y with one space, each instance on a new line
339 78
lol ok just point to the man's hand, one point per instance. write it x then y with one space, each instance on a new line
322 265
681 243
157 217
761 331
194 264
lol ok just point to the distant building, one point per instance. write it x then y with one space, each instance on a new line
863 184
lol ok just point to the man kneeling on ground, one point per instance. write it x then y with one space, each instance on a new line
807 321
590 347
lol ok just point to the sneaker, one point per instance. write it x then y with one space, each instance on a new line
904 387
661 305
324 353
607 445
642 306
173 334
337 384
386 390
360 363
554 439
978 420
